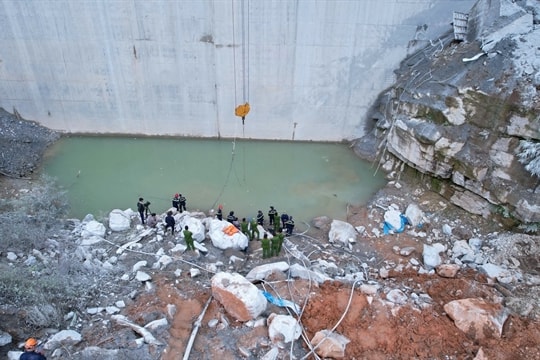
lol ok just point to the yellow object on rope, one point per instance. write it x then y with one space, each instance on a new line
242 110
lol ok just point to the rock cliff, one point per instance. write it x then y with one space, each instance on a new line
466 113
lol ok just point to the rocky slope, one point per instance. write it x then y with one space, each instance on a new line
22 144
465 112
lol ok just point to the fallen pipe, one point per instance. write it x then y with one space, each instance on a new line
197 325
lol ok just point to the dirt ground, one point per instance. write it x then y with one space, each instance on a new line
375 329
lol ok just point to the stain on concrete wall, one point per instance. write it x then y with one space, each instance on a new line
310 69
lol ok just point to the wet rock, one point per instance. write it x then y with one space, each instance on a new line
477 318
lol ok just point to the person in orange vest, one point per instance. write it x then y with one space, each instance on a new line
31 352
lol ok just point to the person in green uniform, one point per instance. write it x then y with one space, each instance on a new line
244 226
188 236
274 245
279 242
277 222
265 244
254 229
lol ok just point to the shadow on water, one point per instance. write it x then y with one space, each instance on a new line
303 179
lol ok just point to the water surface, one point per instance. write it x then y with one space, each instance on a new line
303 179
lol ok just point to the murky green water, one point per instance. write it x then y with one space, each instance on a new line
304 179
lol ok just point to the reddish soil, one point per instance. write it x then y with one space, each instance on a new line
376 330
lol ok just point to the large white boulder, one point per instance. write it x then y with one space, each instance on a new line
341 231
195 225
239 297
237 241
119 220
93 228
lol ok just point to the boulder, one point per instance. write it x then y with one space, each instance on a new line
330 344
240 298
93 228
63 337
119 220
414 215
261 272
236 241
341 231
477 318
283 328
431 256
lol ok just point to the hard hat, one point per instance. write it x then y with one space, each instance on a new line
30 343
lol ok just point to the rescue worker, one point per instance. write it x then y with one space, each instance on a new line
176 202
271 214
254 230
277 223
260 218
289 225
141 209
182 203
231 218
219 213
244 226
278 242
30 351
169 222
284 218
188 236
265 244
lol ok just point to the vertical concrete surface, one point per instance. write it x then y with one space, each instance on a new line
309 68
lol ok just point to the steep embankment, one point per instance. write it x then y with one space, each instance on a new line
22 144
467 113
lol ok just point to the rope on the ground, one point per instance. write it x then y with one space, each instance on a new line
335 326
153 254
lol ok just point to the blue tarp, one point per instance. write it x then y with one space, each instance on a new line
281 302
389 229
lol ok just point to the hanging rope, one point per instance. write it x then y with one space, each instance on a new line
243 109
240 110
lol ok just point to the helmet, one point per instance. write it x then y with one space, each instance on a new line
176 195
30 343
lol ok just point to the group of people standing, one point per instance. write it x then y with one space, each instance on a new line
276 224
275 221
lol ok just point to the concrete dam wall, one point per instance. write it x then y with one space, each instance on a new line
310 69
